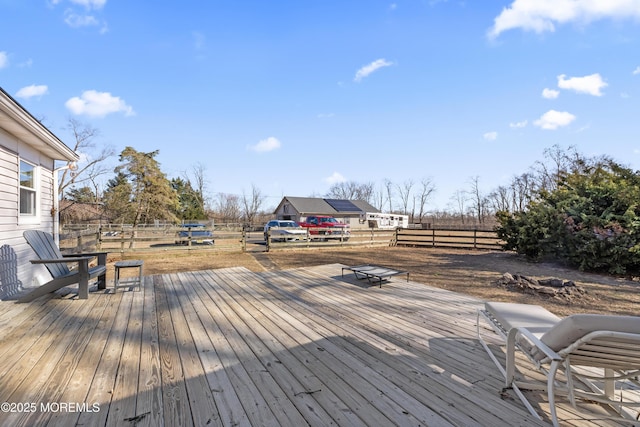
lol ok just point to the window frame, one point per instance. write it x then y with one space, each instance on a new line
32 217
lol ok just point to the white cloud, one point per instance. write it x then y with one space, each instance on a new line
550 93
553 119
326 115
590 85
370 68
518 125
636 71
265 145
76 21
4 59
26 64
543 15
335 178
90 4
490 136
98 104
33 90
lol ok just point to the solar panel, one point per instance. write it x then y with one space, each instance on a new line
341 205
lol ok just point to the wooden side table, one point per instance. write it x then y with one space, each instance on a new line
134 282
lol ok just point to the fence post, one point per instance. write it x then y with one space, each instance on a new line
475 236
134 234
267 240
244 238
99 239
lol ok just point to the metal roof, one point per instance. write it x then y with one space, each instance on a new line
316 205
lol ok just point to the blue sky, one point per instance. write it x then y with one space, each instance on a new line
293 96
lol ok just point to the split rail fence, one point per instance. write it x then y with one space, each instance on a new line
451 238
165 239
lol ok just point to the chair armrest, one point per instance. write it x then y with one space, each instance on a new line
102 256
60 260
91 254
552 355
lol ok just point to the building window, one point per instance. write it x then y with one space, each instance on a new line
28 190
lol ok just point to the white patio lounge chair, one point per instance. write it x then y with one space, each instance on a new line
600 351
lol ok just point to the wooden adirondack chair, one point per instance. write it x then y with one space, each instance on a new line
49 254
9 282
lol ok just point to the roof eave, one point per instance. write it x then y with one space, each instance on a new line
16 120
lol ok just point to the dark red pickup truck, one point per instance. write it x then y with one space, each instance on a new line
326 226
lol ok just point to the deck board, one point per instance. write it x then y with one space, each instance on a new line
334 362
231 347
253 358
380 352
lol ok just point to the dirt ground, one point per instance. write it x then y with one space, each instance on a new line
472 272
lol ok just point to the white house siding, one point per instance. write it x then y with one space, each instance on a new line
11 228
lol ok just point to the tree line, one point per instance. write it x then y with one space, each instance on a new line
584 211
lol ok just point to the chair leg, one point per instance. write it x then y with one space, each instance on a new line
511 357
83 283
609 385
102 281
510 370
551 380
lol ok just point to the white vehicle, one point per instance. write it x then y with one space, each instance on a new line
284 230
385 220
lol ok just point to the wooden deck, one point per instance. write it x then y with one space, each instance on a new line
235 348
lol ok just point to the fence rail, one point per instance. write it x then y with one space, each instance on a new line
357 237
165 239
151 239
435 237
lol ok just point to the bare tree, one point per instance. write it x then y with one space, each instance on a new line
404 191
558 163
459 200
92 162
228 207
427 188
351 190
199 183
366 191
251 204
500 199
378 198
478 200
522 188
389 189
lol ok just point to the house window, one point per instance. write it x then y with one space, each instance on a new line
28 189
